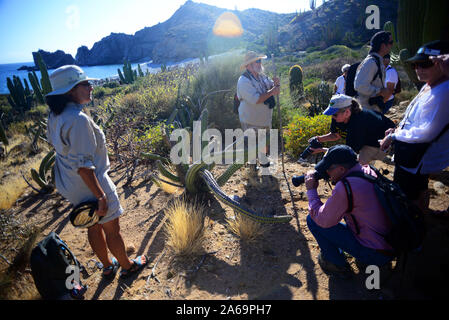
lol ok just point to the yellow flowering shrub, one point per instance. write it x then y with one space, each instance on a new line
301 129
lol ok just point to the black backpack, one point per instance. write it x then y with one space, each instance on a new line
49 261
407 220
352 72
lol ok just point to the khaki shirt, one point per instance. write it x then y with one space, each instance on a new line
364 84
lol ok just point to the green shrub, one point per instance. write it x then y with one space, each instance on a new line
301 129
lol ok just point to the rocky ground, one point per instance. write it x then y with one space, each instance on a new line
281 265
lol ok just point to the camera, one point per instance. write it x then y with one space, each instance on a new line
299 180
313 144
270 102
378 100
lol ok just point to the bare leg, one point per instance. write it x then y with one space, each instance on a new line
116 244
98 244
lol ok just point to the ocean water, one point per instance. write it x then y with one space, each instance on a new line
100 72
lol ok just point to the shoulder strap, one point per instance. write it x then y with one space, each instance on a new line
350 203
379 70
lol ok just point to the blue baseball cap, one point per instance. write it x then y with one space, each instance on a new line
337 102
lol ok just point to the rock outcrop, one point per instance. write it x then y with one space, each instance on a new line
53 60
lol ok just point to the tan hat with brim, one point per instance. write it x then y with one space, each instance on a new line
250 57
65 78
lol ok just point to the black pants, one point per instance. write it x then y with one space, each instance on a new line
412 184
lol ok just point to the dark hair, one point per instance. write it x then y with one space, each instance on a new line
377 40
355 107
57 103
387 56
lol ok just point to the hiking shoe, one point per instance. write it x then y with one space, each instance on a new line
329 267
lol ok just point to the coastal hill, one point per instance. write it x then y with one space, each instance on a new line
188 33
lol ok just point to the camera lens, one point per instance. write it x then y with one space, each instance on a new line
298 180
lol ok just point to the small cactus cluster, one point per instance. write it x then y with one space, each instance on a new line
128 76
20 96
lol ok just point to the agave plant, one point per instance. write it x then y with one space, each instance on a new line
45 177
198 178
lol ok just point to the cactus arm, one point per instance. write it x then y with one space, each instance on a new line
3 137
38 179
153 156
166 173
209 180
228 174
44 163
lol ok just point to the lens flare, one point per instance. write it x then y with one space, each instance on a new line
228 26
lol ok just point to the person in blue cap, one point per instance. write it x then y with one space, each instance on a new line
361 234
363 128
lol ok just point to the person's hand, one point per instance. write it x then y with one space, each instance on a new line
275 91
318 150
102 206
385 93
443 62
277 81
310 140
310 181
389 131
386 142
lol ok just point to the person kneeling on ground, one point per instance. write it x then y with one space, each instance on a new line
364 128
360 236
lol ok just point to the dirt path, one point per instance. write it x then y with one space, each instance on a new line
282 265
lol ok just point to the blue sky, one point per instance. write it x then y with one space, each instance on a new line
29 25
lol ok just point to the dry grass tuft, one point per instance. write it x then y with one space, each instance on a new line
185 227
245 228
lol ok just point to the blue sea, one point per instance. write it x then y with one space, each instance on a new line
100 72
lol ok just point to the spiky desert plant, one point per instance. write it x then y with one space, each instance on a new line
197 178
45 176
185 227
245 228
45 78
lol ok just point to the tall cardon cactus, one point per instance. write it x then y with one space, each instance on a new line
45 78
419 22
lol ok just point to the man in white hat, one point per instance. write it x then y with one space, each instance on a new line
256 92
340 83
363 128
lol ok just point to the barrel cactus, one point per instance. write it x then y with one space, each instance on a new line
296 84
198 178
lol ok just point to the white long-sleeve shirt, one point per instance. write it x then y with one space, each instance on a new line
426 116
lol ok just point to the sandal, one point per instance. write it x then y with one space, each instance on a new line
109 272
137 265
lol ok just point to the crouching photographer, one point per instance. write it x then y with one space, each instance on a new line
360 235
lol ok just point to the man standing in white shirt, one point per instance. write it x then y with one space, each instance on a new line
340 83
391 81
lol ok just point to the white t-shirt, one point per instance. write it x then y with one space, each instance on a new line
391 75
340 83
425 118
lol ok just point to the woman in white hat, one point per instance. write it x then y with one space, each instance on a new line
82 164
256 94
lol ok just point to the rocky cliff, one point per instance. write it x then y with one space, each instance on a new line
188 33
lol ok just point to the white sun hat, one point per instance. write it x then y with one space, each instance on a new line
337 102
65 78
250 57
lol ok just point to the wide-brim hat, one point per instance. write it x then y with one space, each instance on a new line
65 78
339 154
250 57
84 215
434 48
337 102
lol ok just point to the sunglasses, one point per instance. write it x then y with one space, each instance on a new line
390 42
85 84
424 65
258 61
